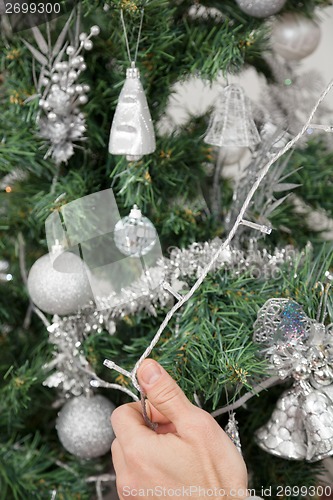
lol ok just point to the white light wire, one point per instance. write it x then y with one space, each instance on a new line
224 245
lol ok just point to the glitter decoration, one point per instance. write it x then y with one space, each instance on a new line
70 366
132 132
294 36
301 426
293 322
84 427
261 8
281 320
60 121
135 235
231 123
57 292
231 429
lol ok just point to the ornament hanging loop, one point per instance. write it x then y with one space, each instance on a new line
132 61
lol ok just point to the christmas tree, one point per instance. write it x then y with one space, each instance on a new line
116 246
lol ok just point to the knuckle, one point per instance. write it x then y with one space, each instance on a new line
201 425
166 393
118 415
114 447
132 453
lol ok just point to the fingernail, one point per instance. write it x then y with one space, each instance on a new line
150 373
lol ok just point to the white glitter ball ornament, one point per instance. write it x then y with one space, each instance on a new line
56 292
295 36
135 235
132 132
84 426
261 8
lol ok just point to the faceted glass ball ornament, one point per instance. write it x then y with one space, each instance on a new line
261 8
84 426
295 36
57 292
135 235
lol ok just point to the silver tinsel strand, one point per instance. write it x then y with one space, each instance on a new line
68 333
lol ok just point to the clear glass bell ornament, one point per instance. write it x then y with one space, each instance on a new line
231 123
135 235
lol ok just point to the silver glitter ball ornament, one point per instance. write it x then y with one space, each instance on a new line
295 36
135 235
84 426
261 8
56 292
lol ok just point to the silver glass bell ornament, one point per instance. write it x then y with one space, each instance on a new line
301 425
231 123
284 434
132 132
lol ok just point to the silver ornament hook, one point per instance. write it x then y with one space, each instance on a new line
132 61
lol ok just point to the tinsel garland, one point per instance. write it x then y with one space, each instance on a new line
73 373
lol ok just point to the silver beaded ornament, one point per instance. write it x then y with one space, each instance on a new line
135 235
301 425
84 426
231 123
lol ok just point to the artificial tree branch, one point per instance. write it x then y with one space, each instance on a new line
242 400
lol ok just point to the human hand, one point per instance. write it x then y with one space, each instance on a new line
188 451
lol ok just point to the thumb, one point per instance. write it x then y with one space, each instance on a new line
163 392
